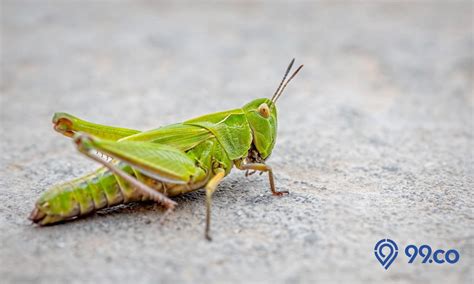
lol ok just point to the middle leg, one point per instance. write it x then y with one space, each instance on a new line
210 188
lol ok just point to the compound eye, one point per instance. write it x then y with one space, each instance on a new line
264 110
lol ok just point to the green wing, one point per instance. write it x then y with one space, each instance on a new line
180 136
231 129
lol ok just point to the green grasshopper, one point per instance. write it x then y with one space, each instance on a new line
165 162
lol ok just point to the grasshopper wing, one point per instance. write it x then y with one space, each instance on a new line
180 136
158 161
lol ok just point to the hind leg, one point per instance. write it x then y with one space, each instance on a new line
140 186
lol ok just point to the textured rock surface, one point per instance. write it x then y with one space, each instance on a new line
375 137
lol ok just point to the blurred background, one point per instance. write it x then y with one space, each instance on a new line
375 136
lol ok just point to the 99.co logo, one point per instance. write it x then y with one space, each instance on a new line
386 251
439 256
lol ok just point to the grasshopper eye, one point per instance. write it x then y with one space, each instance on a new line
264 110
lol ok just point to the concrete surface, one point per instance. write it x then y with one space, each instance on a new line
375 137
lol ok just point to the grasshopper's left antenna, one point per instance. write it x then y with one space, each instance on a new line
283 80
282 86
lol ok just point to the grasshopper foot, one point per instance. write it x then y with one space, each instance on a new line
280 193
169 209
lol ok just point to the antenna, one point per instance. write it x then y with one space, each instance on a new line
284 77
284 86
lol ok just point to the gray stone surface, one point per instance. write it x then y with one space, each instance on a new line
375 137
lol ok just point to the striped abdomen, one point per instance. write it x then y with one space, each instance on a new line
92 192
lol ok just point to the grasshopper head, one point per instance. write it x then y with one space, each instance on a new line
262 117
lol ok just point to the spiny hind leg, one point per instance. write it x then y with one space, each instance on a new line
263 168
210 188
84 146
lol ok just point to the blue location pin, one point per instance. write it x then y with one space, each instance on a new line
386 251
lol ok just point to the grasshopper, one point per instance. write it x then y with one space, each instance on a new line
164 162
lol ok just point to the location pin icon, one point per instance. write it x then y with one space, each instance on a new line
386 251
